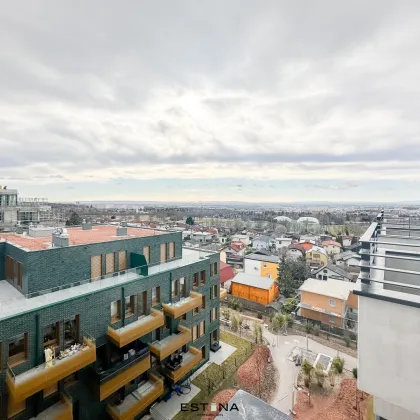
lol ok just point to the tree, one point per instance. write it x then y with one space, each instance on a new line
189 221
74 220
289 305
320 375
337 364
278 322
340 240
258 332
235 323
307 370
226 314
347 231
309 327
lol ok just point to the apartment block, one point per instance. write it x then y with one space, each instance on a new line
389 317
101 322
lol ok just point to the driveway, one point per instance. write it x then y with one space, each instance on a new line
283 345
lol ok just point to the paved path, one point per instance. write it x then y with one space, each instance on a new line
283 345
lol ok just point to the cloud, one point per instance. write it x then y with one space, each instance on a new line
280 92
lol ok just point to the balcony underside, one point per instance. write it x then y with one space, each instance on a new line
177 309
170 344
145 325
127 375
34 380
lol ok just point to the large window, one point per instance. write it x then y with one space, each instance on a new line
203 277
52 335
214 291
146 253
18 350
171 250
202 328
142 303
213 315
196 279
163 253
109 263
95 267
14 271
155 295
175 288
122 260
130 306
213 269
115 311
71 331
182 287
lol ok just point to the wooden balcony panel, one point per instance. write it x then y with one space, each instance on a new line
144 325
63 410
138 400
223 293
191 359
170 344
177 309
40 377
127 375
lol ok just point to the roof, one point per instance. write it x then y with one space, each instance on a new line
346 255
310 220
226 272
283 219
250 408
331 243
306 245
78 236
316 248
336 269
259 257
262 238
332 288
297 247
254 281
237 245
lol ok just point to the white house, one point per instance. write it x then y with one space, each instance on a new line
348 259
241 238
295 251
346 240
280 243
202 237
331 271
332 247
261 242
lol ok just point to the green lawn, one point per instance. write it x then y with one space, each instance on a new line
215 377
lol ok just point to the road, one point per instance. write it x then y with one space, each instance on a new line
287 369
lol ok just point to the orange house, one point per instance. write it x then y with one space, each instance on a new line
258 289
330 302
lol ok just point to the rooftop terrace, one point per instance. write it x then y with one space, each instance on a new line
77 236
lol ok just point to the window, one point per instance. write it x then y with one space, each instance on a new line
213 269
171 250
155 295
264 265
95 267
202 328
109 263
269 276
203 277
196 280
324 277
319 276
142 302
196 311
203 352
52 335
71 331
14 271
213 315
18 350
332 302
146 253
122 260
214 291
175 288
163 253
182 287
194 332
130 306
203 302
50 390
69 380
332 319
184 317
115 311
325 271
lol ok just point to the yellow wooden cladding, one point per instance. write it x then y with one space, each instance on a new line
95 267
144 325
122 260
134 405
170 344
30 382
194 358
127 375
177 309
223 293
63 410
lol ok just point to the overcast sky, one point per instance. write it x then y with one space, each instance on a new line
210 100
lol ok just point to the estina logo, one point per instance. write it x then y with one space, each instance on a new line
214 407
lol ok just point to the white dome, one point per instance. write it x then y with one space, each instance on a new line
308 220
283 219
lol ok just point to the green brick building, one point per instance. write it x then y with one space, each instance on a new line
126 314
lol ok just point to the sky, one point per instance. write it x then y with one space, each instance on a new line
210 100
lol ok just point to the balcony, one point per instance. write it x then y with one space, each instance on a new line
144 325
223 293
137 401
113 381
170 344
63 410
190 360
177 309
40 377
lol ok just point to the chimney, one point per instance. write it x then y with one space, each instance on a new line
60 238
121 231
86 225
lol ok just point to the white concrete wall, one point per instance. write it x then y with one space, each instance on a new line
391 412
252 267
283 242
388 353
258 244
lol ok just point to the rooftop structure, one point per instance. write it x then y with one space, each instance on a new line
308 220
389 302
333 288
254 281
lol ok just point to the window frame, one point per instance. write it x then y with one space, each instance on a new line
56 342
333 302
156 300
21 357
117 317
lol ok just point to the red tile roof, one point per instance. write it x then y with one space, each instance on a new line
226 272
332 243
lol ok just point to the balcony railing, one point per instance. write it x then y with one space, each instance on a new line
144 325
40 377
138 400
177 309
190 360
170 344
63 410
137 367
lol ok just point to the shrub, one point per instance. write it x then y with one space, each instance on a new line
309 327
240 307
259 315
307 370
289 305
355 372
233 303
235 323
226 314
347 341
290 320
352 336
316 330
320 375
337 364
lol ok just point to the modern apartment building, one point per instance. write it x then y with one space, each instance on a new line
389 318
101 322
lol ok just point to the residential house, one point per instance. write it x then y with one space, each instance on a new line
347 259
329 302
261 265
346 241
306 245
227 273
202 237
334 272
332 247
241 238
295 251
237 248
316 256
223 239
258 289
280 243
261 242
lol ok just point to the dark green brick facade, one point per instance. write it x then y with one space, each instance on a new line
59 266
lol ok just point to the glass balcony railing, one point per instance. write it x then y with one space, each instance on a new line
137 401
170 344
181 307
63 410
190 360
25 384
144 325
